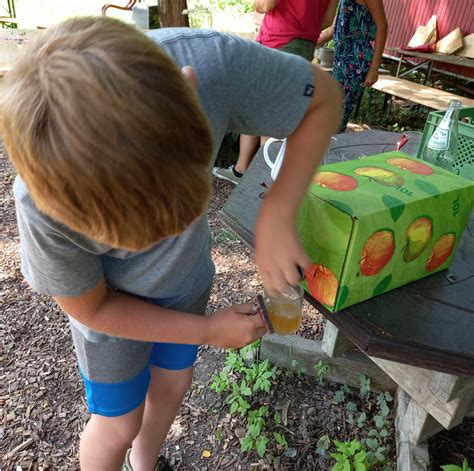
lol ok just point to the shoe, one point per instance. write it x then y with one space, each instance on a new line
161 465
227 174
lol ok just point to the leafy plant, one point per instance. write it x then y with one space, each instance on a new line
364 385
280 439
322 369
350 456
255 439
242 378
220 382
237 400
453 467
341 393
322 446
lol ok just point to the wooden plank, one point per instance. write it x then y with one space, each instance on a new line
420 94
430 390
451 43
335 343
283 349
409 422
412 423
468 50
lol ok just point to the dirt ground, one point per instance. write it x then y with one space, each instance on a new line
41 395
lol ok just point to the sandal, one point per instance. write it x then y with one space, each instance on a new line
161 465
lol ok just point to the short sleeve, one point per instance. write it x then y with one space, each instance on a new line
51 263
271 90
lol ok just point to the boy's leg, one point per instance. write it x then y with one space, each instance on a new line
165 395
105 440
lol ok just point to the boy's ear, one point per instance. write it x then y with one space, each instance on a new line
188 72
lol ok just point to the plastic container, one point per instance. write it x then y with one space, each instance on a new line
464 164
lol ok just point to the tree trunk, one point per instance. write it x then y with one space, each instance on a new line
170 12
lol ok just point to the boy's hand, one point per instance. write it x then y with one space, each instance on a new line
278 251
235 326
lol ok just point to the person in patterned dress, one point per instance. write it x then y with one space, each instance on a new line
357 25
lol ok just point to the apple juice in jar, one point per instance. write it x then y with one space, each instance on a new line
284 310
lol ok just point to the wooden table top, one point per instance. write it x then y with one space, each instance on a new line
427 323
435 57
421 94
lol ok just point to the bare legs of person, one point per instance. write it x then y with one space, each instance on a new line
248 147
106 439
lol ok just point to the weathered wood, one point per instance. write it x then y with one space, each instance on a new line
431 390
283 350
416 93
410 421
335 343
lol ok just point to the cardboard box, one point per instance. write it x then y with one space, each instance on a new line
373 224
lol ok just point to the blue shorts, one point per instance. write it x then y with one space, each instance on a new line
116 371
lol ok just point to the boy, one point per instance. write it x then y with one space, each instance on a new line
113 145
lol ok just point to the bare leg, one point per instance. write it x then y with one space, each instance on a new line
248 146
263 139
165 394
105 440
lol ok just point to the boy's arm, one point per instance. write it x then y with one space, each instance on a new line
278 251
378 14
122 315
264 6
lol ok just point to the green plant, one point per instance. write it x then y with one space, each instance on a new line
220 382
225 237
322 446
322 369
364 385
300 370
255 439
454 467
244 378
350 456
341 393
237 400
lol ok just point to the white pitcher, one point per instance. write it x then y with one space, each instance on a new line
275 166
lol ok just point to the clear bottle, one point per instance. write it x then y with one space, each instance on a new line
442 147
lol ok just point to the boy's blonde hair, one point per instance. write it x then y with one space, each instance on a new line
107 134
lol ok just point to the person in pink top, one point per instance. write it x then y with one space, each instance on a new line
291 26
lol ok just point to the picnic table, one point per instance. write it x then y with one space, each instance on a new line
420 335
429 60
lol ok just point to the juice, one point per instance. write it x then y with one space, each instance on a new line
285 317
284 310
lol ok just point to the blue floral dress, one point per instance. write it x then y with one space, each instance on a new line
353 52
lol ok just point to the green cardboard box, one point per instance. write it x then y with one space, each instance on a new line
374 224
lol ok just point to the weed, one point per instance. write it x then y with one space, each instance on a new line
322 370
350 455
453 467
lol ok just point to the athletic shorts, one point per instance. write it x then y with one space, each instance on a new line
300 47
116 371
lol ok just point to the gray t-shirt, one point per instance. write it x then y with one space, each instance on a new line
243 87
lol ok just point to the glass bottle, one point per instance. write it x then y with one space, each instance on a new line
442 147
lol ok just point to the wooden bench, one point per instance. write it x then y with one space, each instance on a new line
416 93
